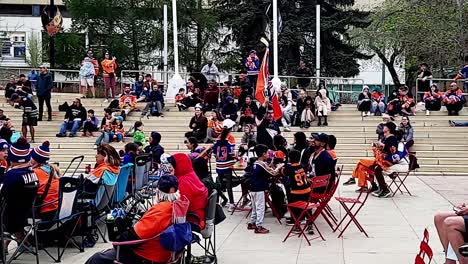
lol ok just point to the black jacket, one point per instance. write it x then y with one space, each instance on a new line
45 84
74 112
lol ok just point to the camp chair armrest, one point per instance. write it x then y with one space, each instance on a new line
132 242
193 215
45 204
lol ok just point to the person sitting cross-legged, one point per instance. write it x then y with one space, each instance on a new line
452 230
433 99
157 219
454 99
127 100
75 116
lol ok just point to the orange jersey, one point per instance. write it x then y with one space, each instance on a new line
118 130
157 219
216 125
108 66
127 100
332 153
179 98
96 67
52 193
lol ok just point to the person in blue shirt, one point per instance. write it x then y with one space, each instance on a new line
262 172
155 102
131 150
19 189
138 86
30 113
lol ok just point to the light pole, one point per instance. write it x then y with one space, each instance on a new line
176 82
165 44
317 44
276 82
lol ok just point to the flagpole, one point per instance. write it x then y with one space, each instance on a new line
165 43
276 82
317 45
176 82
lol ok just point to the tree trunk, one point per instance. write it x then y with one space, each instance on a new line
389 64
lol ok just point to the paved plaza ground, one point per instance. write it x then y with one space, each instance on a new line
395 226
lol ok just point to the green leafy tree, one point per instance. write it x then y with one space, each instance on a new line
35 51
413 32
297 39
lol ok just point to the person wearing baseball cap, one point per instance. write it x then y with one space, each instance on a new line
48 191
157 219
321 163
18 188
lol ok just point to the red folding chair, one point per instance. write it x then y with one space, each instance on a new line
357 204
424 250
399 180
270 205
316 201
327 211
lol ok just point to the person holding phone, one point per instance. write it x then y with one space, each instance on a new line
452 230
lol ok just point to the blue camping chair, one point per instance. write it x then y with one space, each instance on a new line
122 181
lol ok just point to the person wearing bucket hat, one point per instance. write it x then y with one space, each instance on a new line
19 188
198 124
379 131
48 182
157 219
4 146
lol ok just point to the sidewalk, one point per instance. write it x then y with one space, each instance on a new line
395 226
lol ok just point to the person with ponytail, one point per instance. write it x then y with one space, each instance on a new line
48 191
106 170
19 189
225 158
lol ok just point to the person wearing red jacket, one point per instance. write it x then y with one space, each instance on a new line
191 187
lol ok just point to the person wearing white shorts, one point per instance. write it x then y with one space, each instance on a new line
87 72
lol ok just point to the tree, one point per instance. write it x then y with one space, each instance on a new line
69 49
416 31
339 56
130 29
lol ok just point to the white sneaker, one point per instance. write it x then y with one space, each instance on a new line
364 114
428 112
287 129
231 207
95 147
106 101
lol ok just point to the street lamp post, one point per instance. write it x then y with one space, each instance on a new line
276 82
176 82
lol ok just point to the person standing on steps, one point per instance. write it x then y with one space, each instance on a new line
45 84
29 113
108 67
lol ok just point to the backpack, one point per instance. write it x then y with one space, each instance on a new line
64 107
179 234
278 199
114 104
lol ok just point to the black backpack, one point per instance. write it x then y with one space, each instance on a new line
64 107
278 199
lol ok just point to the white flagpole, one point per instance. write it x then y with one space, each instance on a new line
165 44
276 82
176 82
317 44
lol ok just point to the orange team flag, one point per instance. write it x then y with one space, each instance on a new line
262 80
261 91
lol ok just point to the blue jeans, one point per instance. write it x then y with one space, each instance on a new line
103 137
74 127
461 123
380 106
119 136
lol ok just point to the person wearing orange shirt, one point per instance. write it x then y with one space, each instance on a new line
215 126
108 67
127 100
157 219
48 191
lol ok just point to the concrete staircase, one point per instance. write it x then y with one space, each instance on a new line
441 149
